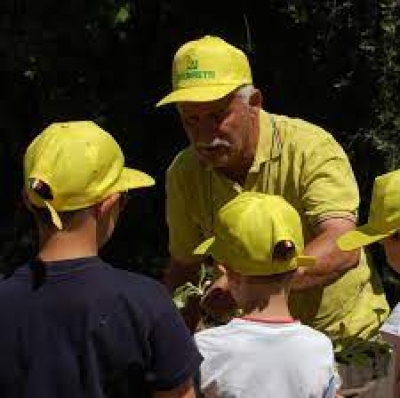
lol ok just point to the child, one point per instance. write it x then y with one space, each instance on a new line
265 353
383 222
383 226
72 325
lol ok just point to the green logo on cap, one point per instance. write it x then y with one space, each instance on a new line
192 64
193 72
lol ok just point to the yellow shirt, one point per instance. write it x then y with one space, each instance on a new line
304 164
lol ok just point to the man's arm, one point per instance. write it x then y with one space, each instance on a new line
185 390
332 263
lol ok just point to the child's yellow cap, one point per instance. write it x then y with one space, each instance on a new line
80 163
384 214
248 230
206 70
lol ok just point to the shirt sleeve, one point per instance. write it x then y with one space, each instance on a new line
331 389
328 186
333 386
141 329
332 378
184 233
175 356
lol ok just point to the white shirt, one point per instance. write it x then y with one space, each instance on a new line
392 324
254 359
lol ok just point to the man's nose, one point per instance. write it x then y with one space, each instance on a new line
207 128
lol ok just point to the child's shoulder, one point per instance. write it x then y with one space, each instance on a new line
131 281
313 337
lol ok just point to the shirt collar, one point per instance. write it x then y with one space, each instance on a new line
269 144
64 266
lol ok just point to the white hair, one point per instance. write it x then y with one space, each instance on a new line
245 92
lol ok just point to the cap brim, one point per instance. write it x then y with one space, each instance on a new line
199 94
205 247
359 237
131 179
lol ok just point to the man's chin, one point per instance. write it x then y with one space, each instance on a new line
220 162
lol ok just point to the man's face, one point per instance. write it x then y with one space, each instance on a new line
220 131
392 250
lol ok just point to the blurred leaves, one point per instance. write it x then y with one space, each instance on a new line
122 15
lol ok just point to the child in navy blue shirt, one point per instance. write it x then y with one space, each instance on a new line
72 325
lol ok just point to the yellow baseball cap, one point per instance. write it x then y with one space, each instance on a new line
384 214
248 230
80 164
206 70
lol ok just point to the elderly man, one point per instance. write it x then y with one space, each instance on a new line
236 146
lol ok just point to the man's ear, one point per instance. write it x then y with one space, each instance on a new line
106 205
256 99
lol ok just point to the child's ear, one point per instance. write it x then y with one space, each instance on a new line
106 205
221 268
231 274
26 200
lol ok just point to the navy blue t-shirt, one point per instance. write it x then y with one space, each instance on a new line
90 331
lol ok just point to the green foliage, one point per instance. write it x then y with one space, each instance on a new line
385 131
188 290
372 36
361 352
123 14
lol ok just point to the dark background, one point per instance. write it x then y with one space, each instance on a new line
334 63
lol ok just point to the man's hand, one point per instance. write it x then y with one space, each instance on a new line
218 302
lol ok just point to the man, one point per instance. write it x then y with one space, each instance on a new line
72 325
236 146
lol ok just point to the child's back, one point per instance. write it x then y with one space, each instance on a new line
72 325
87 331
266 358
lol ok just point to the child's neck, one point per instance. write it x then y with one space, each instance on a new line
65 246
274 306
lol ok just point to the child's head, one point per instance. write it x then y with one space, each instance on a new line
257 237
383 221
74 168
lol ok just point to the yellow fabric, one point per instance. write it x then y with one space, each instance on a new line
248 228
384 214
305 165
207 69
81 164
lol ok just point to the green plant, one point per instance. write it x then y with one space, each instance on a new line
187 290
361 351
